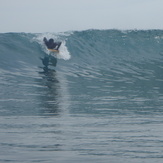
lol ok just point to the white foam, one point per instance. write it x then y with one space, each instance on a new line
63 51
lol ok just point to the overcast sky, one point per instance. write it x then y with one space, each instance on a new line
66 15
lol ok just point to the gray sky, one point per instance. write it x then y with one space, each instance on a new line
66 15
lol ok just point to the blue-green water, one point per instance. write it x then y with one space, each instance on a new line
102 102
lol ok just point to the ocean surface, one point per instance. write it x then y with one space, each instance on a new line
99 100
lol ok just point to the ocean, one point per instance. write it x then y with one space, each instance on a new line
100 100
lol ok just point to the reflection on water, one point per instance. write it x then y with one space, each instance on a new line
50 95
49 60
54 95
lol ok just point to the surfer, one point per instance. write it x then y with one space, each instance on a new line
51 44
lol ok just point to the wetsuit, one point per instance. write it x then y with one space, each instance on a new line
51 44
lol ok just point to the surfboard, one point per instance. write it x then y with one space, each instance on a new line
53 50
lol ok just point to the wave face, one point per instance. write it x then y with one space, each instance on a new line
111 69
120 70
100 99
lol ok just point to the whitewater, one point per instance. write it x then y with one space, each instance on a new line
100 100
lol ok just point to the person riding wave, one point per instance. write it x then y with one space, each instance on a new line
51 44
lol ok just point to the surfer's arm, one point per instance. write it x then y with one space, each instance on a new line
45 40
59 44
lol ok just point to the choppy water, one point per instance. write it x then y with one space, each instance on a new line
102 102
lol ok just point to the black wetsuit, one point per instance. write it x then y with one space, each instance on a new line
51 44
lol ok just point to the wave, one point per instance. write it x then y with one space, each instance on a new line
93 47
113 50
119 69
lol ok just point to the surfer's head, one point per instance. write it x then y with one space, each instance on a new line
51 40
